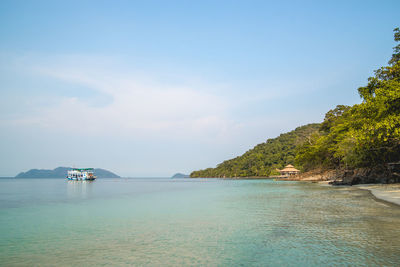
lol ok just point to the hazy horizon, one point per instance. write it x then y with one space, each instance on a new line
153 88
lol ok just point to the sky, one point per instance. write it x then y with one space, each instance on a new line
151 88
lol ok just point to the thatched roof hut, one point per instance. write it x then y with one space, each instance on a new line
289 170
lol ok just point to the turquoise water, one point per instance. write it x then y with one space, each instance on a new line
54 222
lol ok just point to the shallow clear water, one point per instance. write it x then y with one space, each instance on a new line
54 222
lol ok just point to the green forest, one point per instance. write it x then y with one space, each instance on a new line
362 135
263 159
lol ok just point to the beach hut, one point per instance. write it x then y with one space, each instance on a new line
289 170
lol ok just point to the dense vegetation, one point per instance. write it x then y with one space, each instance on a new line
263 158
363 135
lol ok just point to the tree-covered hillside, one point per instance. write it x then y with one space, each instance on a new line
363 135
263 158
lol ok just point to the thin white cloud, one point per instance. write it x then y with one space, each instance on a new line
139 106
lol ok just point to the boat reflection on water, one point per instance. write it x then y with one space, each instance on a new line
79 189
79 174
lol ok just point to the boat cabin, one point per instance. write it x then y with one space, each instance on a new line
81 174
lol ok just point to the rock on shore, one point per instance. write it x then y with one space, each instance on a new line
384 174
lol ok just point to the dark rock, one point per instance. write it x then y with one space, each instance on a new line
383 174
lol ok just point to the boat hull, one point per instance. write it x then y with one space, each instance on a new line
80 179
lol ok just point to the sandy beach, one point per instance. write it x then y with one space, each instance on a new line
386 192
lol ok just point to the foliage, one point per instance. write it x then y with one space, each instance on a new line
264 158
367 134
396 55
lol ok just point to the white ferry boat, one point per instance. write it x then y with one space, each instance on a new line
81 174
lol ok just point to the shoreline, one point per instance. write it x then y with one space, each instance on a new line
383 192
389 193
386 192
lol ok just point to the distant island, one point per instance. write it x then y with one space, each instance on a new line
61 172
180 175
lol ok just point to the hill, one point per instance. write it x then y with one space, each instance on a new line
263 158
180 175
61 172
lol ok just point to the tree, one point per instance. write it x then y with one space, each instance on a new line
366 134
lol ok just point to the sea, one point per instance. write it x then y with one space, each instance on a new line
193 222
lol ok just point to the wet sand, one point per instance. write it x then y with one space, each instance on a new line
386 192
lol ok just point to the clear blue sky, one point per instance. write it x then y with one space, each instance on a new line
150 88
